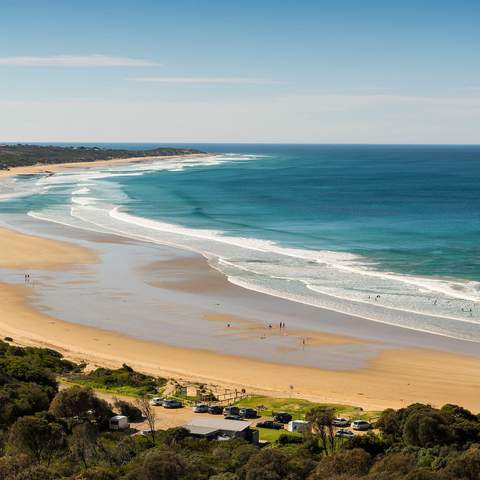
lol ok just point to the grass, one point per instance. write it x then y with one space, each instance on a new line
127 391
270 435
298 407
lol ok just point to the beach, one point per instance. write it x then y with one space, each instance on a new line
65 167
393 376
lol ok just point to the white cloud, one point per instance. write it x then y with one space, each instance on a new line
286 118
207 80
76 61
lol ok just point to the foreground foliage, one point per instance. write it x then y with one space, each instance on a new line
50 434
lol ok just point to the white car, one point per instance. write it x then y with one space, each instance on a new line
156 401
341 422
361 425
200 408
344 434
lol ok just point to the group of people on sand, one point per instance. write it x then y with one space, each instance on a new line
27 278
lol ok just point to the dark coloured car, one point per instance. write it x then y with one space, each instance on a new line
231 410
282 417
233 417
215 410
248 413
270 424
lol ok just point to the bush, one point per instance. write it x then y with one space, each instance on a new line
163 465
81 402
285 439
128 409
354 462
267 464
36 438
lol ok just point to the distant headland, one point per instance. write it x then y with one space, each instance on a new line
22 155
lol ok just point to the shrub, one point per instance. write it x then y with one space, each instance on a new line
354 462
128 409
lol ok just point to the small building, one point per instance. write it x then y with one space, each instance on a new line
221 429
119 422
298 426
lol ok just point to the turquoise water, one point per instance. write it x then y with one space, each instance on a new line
390 233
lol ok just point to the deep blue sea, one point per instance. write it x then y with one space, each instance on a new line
390 233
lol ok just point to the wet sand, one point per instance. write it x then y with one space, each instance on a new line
26 252
394 377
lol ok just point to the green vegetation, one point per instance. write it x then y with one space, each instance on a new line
268 406
27 155
50 434
122 381
270 435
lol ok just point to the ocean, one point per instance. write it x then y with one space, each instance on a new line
388 233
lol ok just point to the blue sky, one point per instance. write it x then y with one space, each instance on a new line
275 71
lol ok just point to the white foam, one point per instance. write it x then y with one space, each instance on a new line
338 281
81 191
256 244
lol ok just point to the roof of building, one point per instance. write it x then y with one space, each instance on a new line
206 425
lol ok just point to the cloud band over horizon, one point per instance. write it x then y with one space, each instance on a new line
94 60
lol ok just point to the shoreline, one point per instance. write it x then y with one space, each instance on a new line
60 167
395 377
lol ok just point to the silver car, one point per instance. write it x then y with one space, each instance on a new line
361 425
341 422
200 408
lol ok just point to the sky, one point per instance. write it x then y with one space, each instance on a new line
270 71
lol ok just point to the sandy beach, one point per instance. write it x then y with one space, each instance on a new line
60 167
393 378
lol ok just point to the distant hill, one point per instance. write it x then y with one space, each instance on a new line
27 155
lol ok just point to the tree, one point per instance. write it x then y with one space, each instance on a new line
465 467
163 465
30 398
36 437
81 402
426 429
351 463
268 464
148 413
83 443
396 463
321 420
129 410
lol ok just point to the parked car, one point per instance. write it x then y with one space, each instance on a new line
156 401
282 417
270 424
248 413
361 425
172 404
231 410
233 417
344 433
215 410
146 432
341 422
200 408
